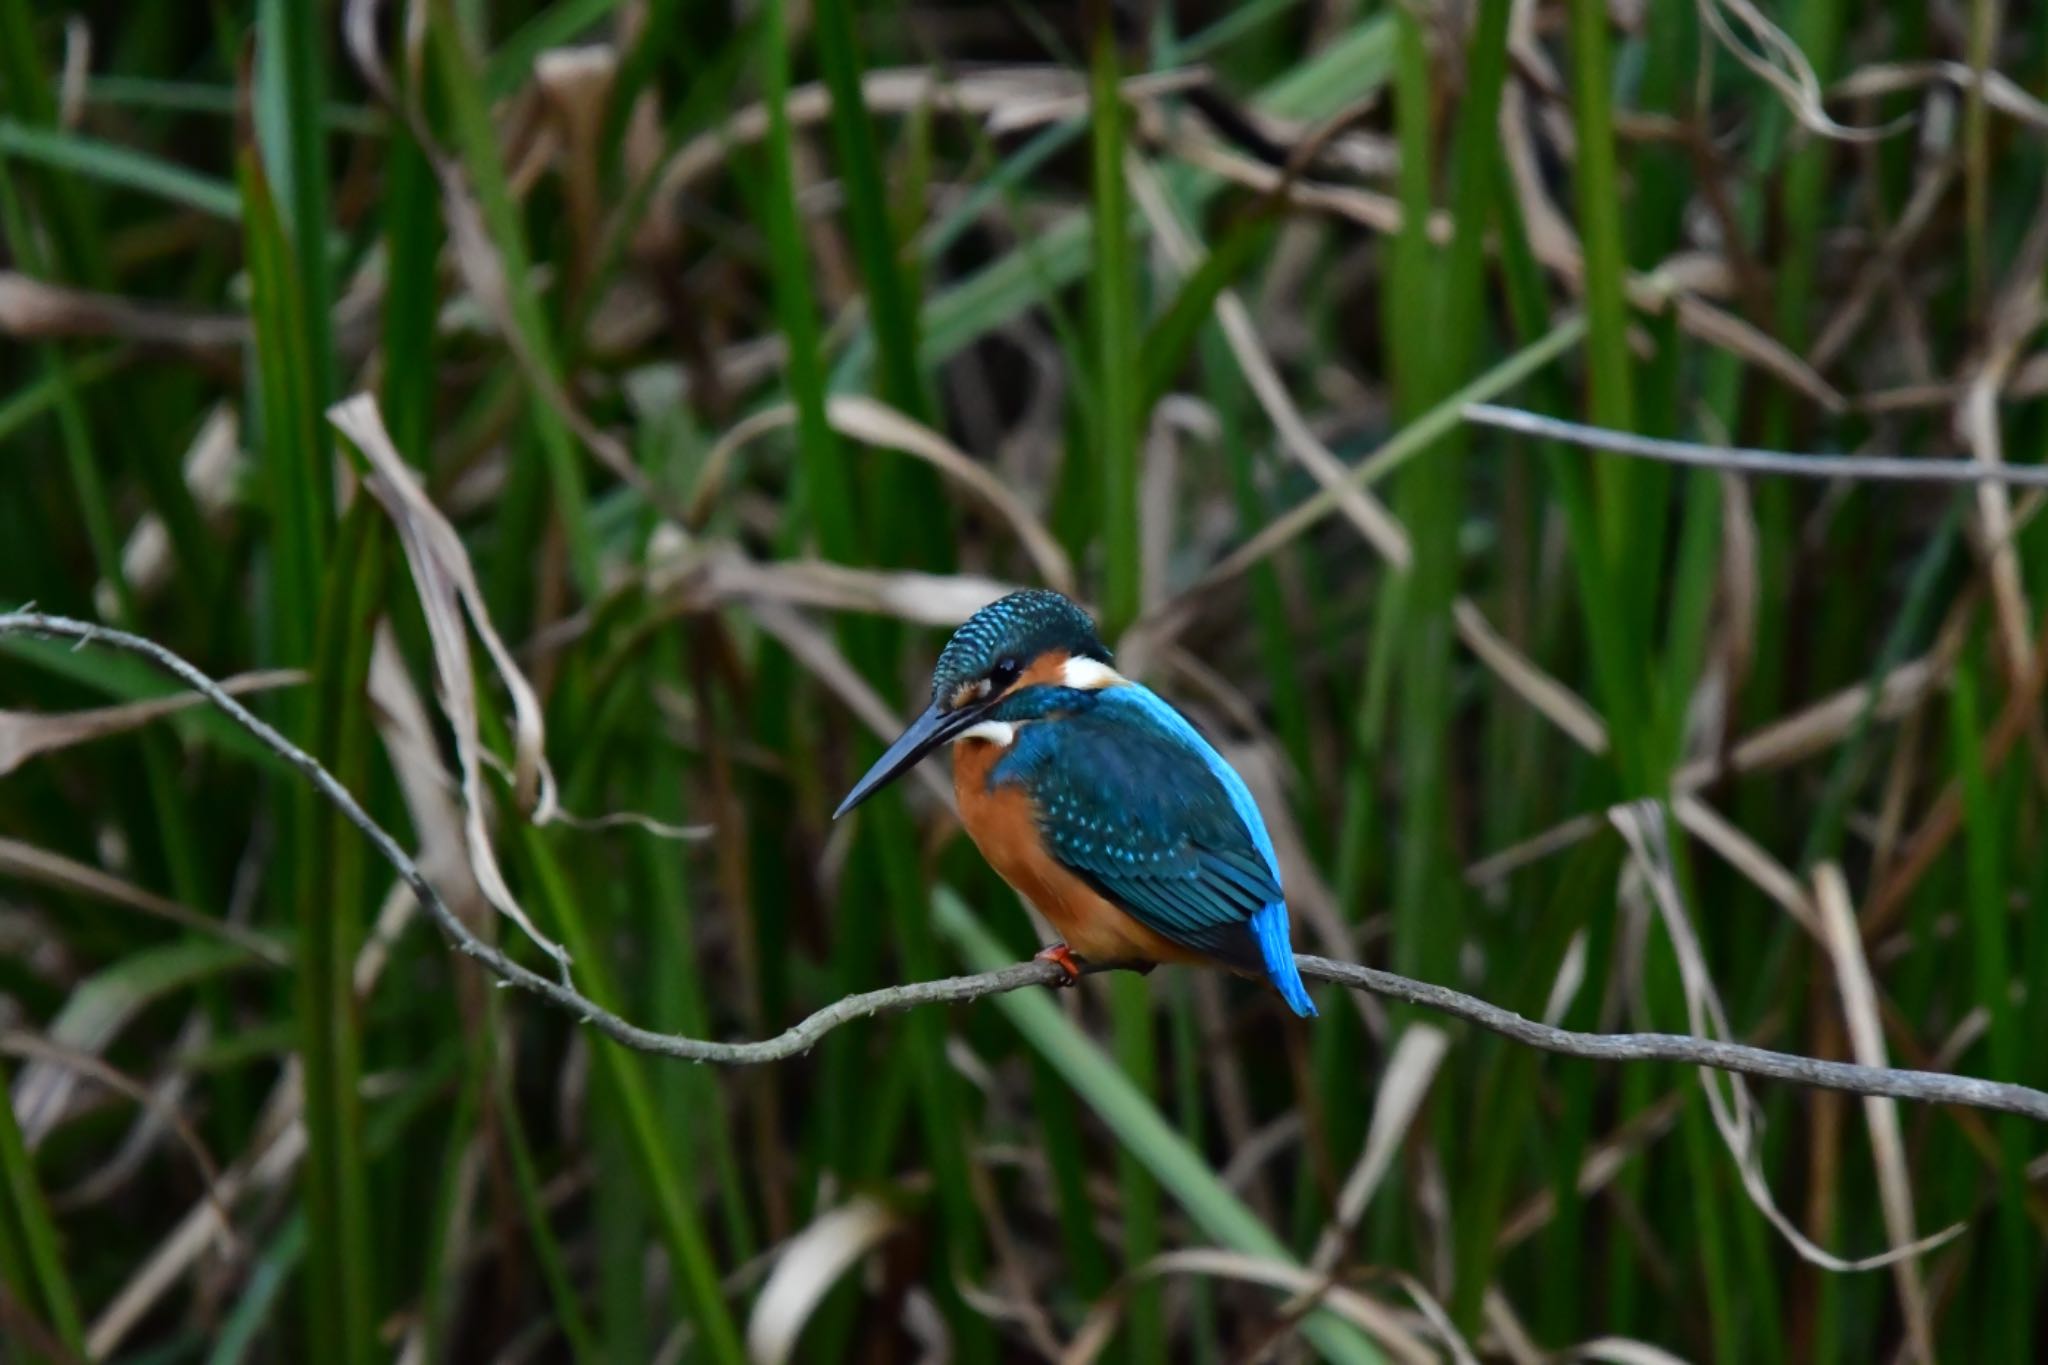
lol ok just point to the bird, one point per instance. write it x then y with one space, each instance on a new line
1098 801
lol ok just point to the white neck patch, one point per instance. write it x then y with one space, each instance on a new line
1000 733
1089 675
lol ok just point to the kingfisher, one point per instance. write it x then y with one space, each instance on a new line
1098 800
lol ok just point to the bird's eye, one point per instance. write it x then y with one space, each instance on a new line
1004 673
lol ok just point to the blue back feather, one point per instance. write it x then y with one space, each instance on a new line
1133 799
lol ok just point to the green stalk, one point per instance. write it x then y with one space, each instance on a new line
825 492
911 510
412 243
674 1204
331 888
1985 840
1138 1126
1115 353
886 865
476 139
1625 531
31 1264
340 1299
1130 1004
291 86
1114 310
1599 201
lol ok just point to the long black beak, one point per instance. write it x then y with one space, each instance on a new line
925 734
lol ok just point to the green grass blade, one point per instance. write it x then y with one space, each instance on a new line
674 1204
476 140
123 167
1139 1127
1114 449
1114 308
1985 840
29 1251
906 506
1171 337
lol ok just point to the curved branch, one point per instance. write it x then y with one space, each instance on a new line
1924 1086
1929 1087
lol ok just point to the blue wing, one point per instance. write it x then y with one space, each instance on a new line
1135 801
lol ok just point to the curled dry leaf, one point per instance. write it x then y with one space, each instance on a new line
814 649
875 423
811 1263
1735 1114
1559 704
1374 1318
1402 1088
2001 92
426 787
152 1100
26 861
1623 1351
212 464
920 598
26 734
1746 856
575 85
1799 736
1035 111
1780 64
1381 529
447 589
1004 95
168 1093
30 307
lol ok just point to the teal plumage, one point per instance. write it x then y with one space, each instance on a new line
1133 834
1131 797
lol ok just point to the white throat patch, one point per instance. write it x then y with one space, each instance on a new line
1089 675
1000 733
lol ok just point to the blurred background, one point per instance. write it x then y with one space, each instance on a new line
748 348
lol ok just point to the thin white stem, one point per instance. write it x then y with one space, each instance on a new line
1747 460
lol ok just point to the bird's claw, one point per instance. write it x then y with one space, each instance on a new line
1064 956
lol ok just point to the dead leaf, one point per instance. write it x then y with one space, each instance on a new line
1375 1319
33 864
27 734
875 423
447 588
811 1263
33 308
1844 940
1735 1113
1396 1101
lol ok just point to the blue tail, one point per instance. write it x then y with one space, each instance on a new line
1276 948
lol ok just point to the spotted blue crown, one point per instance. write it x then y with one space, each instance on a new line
1022 626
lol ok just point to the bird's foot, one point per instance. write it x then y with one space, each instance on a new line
1064 956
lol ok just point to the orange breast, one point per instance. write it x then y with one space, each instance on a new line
1004 827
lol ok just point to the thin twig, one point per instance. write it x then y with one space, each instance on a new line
1746 460
1932 1087
1923 1086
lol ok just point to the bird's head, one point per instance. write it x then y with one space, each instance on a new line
1029 639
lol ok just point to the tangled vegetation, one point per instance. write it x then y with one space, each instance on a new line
576 423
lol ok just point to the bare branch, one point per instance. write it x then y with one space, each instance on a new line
1923 1086
1746 460
1931 1087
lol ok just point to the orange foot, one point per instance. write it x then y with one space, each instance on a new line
1062 954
